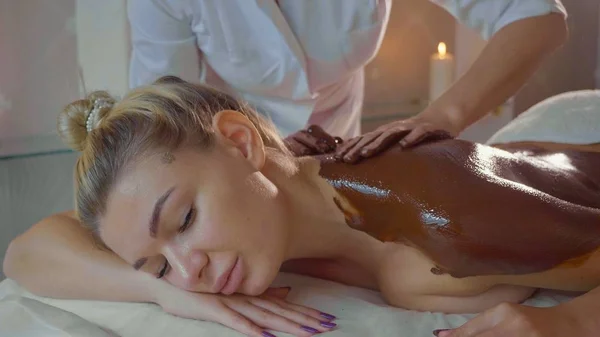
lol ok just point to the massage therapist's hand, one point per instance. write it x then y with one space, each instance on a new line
409 132
312 141
249 315
512 320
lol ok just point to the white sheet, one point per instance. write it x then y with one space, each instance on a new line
26 317
360 312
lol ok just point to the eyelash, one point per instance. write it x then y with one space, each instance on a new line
186 224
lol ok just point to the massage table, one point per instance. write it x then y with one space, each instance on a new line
572 117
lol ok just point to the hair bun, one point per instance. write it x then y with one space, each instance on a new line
82 115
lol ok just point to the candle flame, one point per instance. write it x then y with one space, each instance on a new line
442 49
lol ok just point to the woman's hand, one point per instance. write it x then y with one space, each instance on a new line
408 132
521 321
312 141
249 315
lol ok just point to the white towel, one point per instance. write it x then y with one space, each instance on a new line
572 117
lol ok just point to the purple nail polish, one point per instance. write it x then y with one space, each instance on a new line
437 332
328 316
328 325
309 329
268 334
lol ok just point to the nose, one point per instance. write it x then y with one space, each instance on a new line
187 265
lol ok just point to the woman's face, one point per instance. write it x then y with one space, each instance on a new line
204 220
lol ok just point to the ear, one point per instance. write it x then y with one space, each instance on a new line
235 129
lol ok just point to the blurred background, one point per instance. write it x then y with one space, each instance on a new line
52 52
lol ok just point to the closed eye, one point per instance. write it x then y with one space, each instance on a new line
189 218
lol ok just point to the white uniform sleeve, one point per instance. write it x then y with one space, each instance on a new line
162 40
489 16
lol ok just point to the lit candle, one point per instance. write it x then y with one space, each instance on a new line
441 72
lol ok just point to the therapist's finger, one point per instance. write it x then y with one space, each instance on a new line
472 328
297 148
346 147
425 135
418 133
353 155
324 140
384 141
315 142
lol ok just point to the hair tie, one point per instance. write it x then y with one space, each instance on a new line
99 104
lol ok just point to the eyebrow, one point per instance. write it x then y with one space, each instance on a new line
139 263
154 221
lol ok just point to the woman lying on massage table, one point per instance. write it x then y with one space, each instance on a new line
194 198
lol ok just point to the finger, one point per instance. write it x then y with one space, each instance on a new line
415 134
430 136
321 316
327 139
474 327
314 142
384 141
283 310
353 155
237 321
297 148
269 320
347 146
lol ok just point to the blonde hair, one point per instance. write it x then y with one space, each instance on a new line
164 116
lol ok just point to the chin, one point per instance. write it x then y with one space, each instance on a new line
255 285
253 289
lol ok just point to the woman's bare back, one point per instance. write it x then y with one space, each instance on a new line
527 216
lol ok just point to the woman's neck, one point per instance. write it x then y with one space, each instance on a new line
317 227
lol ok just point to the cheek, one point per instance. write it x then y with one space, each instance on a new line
217 228
176 280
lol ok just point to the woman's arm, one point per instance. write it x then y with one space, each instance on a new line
58 258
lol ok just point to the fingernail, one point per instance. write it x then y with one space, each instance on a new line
328 316
268 334
328 325
438 331
309 329
323 145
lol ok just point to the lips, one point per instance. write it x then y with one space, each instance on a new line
230 280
